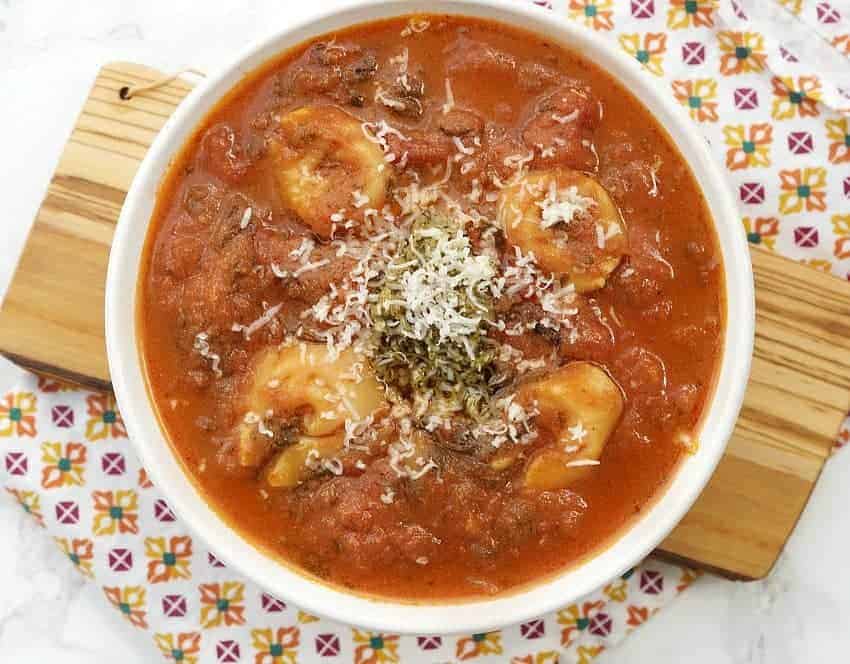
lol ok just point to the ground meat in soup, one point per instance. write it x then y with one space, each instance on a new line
381 383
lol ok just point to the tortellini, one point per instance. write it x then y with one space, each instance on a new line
579 407
307 381
570 223
324 165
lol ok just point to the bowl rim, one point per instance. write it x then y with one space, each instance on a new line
385 615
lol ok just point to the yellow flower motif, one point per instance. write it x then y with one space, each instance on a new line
617 591
792 98
79 552
793 6
374 648
748 147
275 647
697 96
818 264
104 419
62 467
691 13
168 561
841 43
17 414
841 226
838 131
115 511
479 644
575 619
586 654
304 617
802 189
594 14
649 51
30 501
761 230
542 657
179 648
690 575
223 603
130 601
741 52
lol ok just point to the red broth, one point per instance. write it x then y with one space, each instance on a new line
452 91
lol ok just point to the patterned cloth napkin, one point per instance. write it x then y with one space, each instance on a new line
65 457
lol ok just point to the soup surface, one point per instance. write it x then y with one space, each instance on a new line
431 308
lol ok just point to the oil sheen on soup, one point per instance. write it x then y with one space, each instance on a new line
431 308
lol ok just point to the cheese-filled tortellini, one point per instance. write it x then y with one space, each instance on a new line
579 407
320 392
324 166
568 221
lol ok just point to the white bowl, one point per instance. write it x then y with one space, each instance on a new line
631 545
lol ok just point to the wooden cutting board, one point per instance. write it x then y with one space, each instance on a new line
799 392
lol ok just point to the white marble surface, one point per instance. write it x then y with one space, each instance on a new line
49 53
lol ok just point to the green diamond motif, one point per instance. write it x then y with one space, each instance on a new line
748 146
590 11
177 655
64 465
169 558
742 52
754 238
582 623
691 6
276 650
376 643
222 605
804 190
110 416
847 140
116 512
479 637
642 56
74 558
694 102
796 97
15 414
124 607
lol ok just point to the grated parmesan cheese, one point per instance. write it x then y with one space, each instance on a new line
262 321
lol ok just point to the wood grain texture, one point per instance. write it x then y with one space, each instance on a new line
52 321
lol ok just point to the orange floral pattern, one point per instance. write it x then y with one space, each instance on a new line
80 552
803 189
795 98
648 49
222 604
130 601
169 559
104 419
748 147
477 645
115 512
596 14
741 52
275 647
63 466
17 414
373 648
181 648
838 131
698 96
691 13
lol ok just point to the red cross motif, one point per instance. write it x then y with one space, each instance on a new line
113 463
827 13
174 606
120 560
806 236
693 53
800 142
533 629
213 561
643 8
16 463
546 4
271 604
751 192
787 55
600 624
746 99
227 651
846 184
162 512
739 11
429 642
67 512
327 645
652 583
62 416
